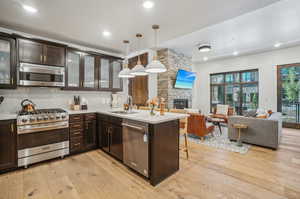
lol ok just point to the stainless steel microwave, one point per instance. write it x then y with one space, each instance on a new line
40 75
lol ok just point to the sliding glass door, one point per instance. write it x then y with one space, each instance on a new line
288 93
238 89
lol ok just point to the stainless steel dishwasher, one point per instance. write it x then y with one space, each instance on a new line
136 146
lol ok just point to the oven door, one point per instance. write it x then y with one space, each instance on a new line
39 75
36 139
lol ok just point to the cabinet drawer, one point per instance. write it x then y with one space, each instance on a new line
75 118
76 144
110 119
76 133
90 116
76 126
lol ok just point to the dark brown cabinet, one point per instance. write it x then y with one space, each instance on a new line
81 71
35 52
89 71
90 132
8 150
83 132
7 62
54 55
110 135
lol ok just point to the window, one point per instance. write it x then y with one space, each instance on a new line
238 89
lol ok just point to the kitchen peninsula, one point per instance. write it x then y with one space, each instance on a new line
149 145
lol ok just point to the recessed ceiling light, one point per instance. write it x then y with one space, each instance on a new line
148 4
235 53
205 58
204 48
106 33
29 8
277 45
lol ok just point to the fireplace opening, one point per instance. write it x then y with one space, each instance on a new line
181 103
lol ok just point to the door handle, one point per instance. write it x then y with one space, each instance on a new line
12 80
12 128
134 127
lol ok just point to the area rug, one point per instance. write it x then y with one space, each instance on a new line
220 141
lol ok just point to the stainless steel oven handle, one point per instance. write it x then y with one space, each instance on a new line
134 127
43 128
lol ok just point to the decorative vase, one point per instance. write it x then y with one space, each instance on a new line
152 111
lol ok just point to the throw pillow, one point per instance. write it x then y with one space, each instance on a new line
222 109
262 116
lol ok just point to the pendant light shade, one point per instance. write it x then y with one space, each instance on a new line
126 72
156 66
139 69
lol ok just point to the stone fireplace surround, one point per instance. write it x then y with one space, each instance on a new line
166 81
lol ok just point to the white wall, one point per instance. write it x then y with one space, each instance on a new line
266 64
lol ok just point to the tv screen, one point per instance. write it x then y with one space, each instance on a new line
185 79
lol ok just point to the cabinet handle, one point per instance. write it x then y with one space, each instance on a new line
77 133
41 58
12 128
12 80
77 144
45 58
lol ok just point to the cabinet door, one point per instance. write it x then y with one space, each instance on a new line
8 148
104 74
54 55
89 72
116 142
73 69
117 82
7 63
30 51
104 137
90 138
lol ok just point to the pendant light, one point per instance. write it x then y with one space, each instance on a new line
156 66
126 72
139 69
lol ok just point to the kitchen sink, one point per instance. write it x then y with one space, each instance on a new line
123 112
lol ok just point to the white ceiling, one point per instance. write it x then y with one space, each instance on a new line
82 22
253 32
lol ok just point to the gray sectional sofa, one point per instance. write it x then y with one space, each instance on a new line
262 132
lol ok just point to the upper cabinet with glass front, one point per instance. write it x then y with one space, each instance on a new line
92 72
117 83
7 62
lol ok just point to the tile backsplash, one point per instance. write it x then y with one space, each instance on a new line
51 98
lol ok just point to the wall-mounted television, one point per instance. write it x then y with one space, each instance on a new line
185 79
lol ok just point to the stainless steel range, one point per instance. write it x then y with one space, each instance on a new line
42 134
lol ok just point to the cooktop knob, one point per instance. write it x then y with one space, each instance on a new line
32 119
46 118
24 120
63 116
51 117
57 117
39 118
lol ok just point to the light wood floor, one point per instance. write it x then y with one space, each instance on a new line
211 173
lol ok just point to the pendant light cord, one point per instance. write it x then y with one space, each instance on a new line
139 36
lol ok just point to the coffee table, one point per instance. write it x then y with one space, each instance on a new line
216 122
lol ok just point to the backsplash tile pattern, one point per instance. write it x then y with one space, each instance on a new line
51 98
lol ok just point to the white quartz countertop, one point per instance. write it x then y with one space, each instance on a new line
139 115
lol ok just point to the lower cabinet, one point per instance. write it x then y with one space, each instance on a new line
83 132
8 145
110 135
